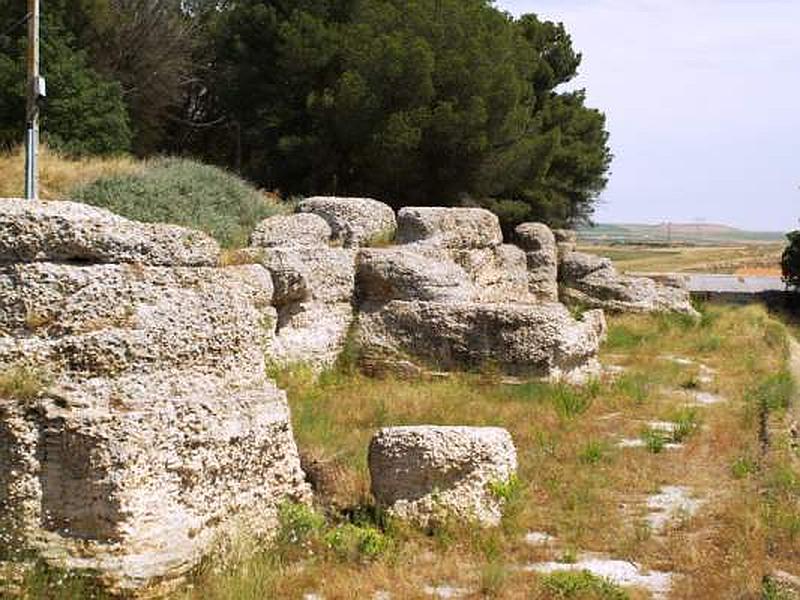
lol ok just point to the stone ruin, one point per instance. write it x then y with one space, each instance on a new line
157 433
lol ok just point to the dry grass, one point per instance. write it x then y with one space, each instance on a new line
747 259
577 485
58 174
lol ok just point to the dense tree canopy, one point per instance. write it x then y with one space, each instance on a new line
84 112
410 101
791 260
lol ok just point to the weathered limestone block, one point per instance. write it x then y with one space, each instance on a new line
594 282
106 319
499 273
406 273
430 473
32 230
138 477
525 339
539 244
354 221
577 265
155 433
455 228
299 229
566 241
311 334
314 289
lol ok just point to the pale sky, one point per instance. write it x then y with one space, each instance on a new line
703 105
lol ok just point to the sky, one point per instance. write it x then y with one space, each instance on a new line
702 99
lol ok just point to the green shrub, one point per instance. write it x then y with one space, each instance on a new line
685 423
790 262
581 584
184 192
351 542
593 452
775 392
298 524
654 440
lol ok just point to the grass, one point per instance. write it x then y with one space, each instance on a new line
58 175
574 482
581 585
23 383
743 259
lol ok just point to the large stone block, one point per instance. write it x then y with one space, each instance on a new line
107 319
353 221
138 478
314 290
299 229
525 339
407 273
430 473
460 228
541 255
499 273
32 230
588 280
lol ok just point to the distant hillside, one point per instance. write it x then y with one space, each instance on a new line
685 233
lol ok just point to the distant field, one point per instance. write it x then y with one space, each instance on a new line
742 259
708 234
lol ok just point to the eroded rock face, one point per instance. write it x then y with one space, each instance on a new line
32 230
314 289
498 273
525 339
566 241
593 281
299 229
156 433
406 273
454 228
541 255
430 473
452 296
353 221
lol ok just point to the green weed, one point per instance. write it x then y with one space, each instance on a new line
582 585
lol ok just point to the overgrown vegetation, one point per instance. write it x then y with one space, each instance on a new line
186 193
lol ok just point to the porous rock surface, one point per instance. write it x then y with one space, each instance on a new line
354 221
541 340
449 227
299 229
429 473
411 273
566 241
33 230
593 281
452 295
156 433
541 256
314 290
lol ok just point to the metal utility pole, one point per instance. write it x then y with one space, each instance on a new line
36 91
